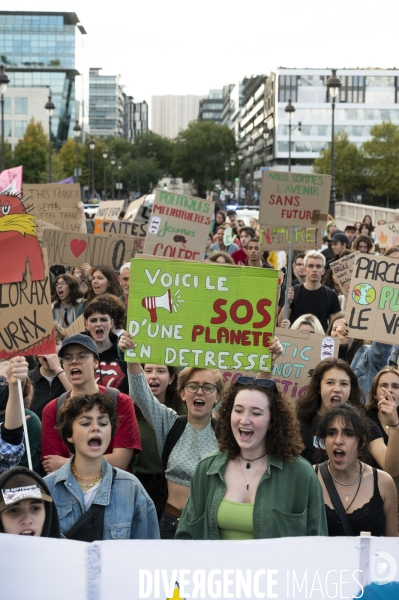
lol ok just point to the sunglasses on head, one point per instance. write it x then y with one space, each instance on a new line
265 383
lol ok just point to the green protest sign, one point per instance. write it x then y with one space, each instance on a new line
200 314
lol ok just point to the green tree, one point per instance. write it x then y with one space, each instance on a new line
31 152
348 165
201 151
382 159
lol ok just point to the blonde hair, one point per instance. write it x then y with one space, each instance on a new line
311 320
314 254
186 374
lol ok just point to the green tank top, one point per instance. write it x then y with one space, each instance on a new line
235 520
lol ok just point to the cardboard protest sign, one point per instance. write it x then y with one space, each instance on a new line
301 353
19 246
26 317
372 309
179 226
342 269
73 249
135 210
123 229
109 209
41 226
387 235
56 204
279 238
190 314
11 180
76 327
294 199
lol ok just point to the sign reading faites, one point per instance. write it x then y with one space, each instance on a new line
122 229
55 203
26 319
178 226
188 314
294 199
372 309
74 249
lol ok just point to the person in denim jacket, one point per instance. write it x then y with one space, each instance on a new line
87 480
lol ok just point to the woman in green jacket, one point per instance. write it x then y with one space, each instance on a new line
257 485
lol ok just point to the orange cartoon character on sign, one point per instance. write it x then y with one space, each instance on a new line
18 241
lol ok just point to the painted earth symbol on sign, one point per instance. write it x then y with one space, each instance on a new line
364 294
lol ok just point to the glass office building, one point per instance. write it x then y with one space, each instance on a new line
38 50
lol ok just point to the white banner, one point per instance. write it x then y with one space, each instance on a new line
317 568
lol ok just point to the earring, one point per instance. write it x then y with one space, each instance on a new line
170 382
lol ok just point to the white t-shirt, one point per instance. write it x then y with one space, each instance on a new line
91 494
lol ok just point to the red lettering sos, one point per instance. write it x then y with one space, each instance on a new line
246 307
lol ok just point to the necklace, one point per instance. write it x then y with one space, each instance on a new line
248 482
90 485
249 460
341 482
358 488
192 424
86 478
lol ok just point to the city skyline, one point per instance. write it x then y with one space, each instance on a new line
170 52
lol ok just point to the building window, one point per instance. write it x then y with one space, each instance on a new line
288 88
21 106
7 128
352 89
7 105
19 128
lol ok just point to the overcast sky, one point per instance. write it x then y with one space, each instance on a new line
181 47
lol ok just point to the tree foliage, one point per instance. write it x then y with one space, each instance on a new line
381 155
348 165
201 151
31 151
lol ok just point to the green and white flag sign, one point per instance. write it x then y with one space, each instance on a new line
201 314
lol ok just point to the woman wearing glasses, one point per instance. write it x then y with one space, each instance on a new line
257 485
68 305
182 442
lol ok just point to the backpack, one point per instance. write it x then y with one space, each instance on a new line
111 393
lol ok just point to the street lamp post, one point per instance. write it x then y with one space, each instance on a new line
105 156
4 81
92 145
251 147
333 85
289 109
76 131
113 161
232 163
49 106
119 165
226 168
265 133
240 156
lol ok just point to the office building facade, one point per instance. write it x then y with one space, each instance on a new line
136 118
107 105
38 51
170 114
211 108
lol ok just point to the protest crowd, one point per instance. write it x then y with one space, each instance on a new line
113 447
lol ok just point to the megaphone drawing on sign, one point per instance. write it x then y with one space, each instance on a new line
151 303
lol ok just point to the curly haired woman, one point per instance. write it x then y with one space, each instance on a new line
256 485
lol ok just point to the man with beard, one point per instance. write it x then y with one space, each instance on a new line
124 280
81 361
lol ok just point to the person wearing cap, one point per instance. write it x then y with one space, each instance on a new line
11 430
350 232
80 359
26 506
339 242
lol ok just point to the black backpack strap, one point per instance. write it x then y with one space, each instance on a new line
174 434
59 402
336 500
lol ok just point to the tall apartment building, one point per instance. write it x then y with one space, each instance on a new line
136 118
211 108
107 104
37 50
170 114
